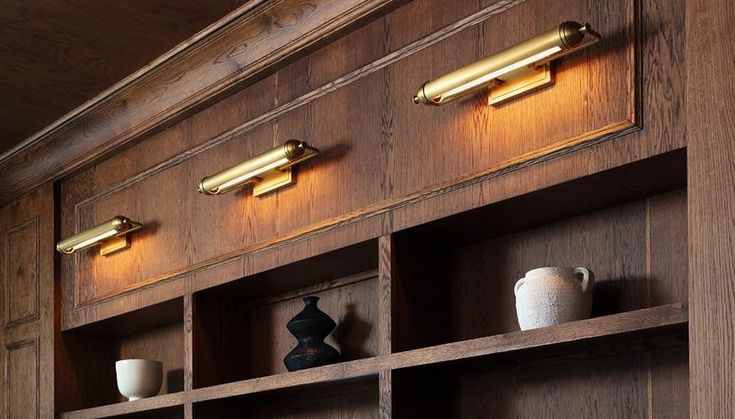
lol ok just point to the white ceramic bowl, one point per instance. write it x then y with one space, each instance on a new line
138 378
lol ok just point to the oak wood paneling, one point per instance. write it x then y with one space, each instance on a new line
471 292
22 273
353 307
611 243
238 49
385 387
669 382
711 159
609 387
22 380
386 268
667 243
27 306
86 373
358 400
165 344
237 337
188 344
341 180
621 334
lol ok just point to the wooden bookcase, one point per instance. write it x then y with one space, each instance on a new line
426 318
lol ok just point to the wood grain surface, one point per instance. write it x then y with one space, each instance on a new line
237 337
155 188
711 160
646 324
87 375
28 309
236 50
58 55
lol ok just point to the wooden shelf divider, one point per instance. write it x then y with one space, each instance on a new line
649 321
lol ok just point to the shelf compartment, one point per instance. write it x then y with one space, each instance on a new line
239 329
344 399
640 330
613 386
453 278
592 368
87 354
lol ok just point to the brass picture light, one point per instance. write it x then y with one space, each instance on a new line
520 69
268 171
112 235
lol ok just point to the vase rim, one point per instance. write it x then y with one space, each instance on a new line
558 270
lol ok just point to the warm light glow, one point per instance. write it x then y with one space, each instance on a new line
486 79
91 241
240 179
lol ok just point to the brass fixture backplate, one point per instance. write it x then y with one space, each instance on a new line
522 82
114 244
273 180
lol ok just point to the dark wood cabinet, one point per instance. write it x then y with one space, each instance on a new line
412 225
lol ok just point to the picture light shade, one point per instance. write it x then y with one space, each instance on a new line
268 171
527 61
111 234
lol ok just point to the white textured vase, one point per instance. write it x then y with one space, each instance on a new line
553 295
138 378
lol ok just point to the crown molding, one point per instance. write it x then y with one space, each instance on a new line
231 53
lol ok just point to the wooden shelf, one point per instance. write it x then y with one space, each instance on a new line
638 323
151 404
661 320
428 302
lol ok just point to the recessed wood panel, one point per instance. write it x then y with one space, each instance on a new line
22 273
27 306
378 147
22 379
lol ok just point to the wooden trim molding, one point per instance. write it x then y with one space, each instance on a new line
229 54
34 314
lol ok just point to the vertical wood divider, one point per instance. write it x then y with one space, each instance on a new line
385 347
188 343
385 383
711 193
385 267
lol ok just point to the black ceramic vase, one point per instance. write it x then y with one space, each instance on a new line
310 327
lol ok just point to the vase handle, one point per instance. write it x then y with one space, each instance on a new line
586 276
518 285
